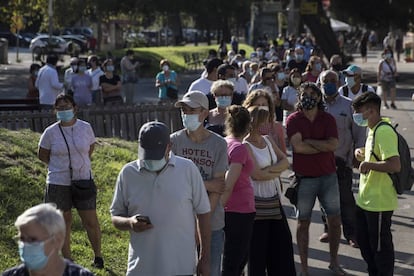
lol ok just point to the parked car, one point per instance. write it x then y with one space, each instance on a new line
79 40
85 31
39 44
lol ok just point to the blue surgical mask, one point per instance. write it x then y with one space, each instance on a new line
155 165
110 68
232 80
223 101
318 67
65 115
74 68
329 89
388 56
281 76
298 57
359 119
350 81
190 121
82 69
33 254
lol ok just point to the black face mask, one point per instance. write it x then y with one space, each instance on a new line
337 67
308 103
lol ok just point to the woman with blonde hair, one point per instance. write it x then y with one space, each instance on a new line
272 128
271 246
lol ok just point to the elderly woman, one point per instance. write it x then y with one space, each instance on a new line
66 147
222 91
41 236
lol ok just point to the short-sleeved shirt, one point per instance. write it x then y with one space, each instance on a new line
81 86
202 85
242 198
114 81
162 90
171 199
79 137
210 156
376 191
71 269
95 75
322 128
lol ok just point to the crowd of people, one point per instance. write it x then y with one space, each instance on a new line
213 188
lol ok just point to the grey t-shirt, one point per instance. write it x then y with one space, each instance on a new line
210 156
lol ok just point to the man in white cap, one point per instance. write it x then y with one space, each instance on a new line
208 151
353 83
156 199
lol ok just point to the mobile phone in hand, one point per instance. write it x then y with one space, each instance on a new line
144 219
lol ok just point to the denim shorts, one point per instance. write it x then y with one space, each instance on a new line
387 85
62 197
325 188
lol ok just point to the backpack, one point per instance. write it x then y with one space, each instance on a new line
345 90
402 180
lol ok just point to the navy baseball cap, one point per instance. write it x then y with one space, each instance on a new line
153 140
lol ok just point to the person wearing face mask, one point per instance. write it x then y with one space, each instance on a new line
350 137
299 61
313 69
47 82
66 147
230 73
377 198
41 233
290 94
222 91
387 78
164 79
208 151
33 92
95 72
353 83
313 135
272 128
269 252
82 86
129 76
110 84
281 82
335 64
69 73
156 200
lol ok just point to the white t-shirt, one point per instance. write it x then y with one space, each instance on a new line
202 85
351 95
171 199
241 86
79 137
48 84
95 74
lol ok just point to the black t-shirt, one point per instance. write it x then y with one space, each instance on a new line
71 269
114 81
300 65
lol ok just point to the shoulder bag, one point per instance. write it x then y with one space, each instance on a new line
82 189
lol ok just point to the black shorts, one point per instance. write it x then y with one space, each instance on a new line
62 197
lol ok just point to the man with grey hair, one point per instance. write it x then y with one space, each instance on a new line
350 137
41 235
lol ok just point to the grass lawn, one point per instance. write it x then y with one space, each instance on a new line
175 54
22 183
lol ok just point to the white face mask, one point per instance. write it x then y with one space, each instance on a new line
264 107
165 68
190 121
155 165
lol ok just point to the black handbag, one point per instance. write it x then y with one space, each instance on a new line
172 93
82 189
292 191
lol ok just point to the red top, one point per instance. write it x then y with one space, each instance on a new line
323 127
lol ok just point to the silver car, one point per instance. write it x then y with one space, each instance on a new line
39 44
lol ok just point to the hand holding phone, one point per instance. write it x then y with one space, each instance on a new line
144 219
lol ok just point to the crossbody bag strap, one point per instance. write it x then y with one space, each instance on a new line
67 146
389 65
